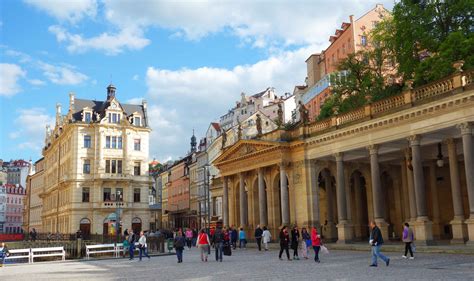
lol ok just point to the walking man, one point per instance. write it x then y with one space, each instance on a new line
376 241
131 241
218 242
258 237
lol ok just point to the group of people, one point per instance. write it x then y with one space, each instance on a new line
129 245
307 241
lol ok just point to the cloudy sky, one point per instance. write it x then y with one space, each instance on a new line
189 59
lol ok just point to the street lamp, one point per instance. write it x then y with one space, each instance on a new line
118 200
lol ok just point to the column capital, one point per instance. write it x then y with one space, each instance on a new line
373 149
339 156
414 140
466 128
283 164
450 141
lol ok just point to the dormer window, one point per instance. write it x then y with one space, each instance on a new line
88 117
114 118
137 121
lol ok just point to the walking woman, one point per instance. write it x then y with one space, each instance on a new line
295 238
316 242
305 242
203 243
267 237
189 238
142 246
179 245
284 241
408 240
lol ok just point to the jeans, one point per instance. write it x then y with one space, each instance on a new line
408 248
219 248
242 242
131 251
376 253
316 252
189 242
234 244
143 251
179 254
259 243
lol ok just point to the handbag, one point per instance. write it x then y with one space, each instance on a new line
324 250
413 247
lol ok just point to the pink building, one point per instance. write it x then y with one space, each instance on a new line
16 195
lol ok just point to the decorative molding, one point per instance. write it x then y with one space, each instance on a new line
414 140
466 128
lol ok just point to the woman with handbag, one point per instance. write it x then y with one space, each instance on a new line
267 237
284 242
142 246
203 243
316 242
408 238
305 242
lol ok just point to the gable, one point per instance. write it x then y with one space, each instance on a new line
246 148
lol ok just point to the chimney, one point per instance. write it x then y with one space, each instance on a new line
58 113
71 101
144 104
111 92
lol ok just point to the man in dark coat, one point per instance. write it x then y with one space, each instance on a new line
258 237
376 241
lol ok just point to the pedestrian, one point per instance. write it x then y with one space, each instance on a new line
131 246
195 236
267 237
316 243
3 253
233 237
189 238
242 238
258 237
218 242
125 232
305 238
203 243
408 240
376 241
284 241
295 237
142 246
126 246
179 242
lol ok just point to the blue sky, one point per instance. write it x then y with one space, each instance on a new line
190 60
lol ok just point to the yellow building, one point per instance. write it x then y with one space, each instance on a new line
96 167
408 158
33 202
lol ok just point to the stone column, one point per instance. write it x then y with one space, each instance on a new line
406 202
262 200
457 224
344 229
423 226
243 209
313 191
411 188
285 212
330 231
225 202
468 151
358 206
435 201
377 193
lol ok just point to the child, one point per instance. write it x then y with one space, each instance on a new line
126 246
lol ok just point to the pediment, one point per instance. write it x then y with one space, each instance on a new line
245 148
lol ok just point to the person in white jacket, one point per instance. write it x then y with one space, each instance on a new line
142 246
267 237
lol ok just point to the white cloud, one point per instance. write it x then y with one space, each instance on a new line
134 101
30 124
111 44
188 99
9 76
69 10
62 74
36 82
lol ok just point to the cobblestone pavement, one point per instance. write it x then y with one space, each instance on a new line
251 265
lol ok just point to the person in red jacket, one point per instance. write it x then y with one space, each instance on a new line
316 242
203 243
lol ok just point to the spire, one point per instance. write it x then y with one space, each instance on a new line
193 143
111 92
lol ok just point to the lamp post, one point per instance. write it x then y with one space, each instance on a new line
118 202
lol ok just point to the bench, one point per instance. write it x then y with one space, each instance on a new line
48 252
120 248
19 254
101 248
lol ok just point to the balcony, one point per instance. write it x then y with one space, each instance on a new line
113 204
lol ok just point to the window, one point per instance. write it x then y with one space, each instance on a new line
85 194
363 40
119 194
107 166
87 141
136 144
119 142
136 195
119 166
107 142
136 121
87 166
114 142
136 169
114 118
107 194
88 117
114 166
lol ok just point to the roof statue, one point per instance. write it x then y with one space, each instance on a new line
303 113
258 122
224 138
280 116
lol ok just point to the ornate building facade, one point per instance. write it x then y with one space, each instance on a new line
33 202
408 158
96 167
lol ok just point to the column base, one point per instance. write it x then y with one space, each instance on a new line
459 231
329 231
437 230
383 226
344 233
470 230
423 231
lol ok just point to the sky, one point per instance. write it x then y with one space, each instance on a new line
189 59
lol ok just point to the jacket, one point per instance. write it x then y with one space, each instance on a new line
315 238
142 242
267 236
407 235
376 236
258 233
218 236
284 239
